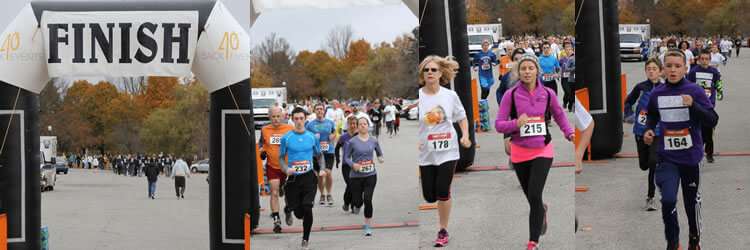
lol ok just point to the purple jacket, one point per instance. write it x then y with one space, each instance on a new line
531 106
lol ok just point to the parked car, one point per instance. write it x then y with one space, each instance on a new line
201 166
61 165
47 174
410 109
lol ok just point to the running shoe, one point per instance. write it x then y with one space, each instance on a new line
694 243
277 226
355 210
305 245
346 207
322 200
544 222
330 200
533 245
368 230
674 246
710 159
288 217
442 238
650 204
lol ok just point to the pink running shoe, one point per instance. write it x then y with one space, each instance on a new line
442 238
532 245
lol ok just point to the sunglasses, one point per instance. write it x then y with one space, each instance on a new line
672 46
430 70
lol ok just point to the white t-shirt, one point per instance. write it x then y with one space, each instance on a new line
437 113
335 114
554 49
725 46
529 51
716 59
360 114
392 115
583 118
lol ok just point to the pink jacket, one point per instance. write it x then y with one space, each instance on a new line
531 106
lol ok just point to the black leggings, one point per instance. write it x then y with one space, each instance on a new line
533 174
345 169
568 95
362 190
300 197
708 140
485 93
551 84
436 181
647 161
179 185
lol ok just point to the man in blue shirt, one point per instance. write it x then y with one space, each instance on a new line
550 66
323 130
483 62
299 146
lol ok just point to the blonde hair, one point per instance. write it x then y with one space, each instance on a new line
447 65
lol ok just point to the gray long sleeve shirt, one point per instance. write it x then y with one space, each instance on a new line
358 151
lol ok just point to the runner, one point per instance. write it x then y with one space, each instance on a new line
568 95
646 153
299 146
549 67
323 129
358 154
270 140
531 153
685 48
356 112
678 108
716 60
439 108
483 63
737 45
376 116
346 168
505 61
708 78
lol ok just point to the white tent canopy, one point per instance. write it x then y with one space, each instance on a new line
259 6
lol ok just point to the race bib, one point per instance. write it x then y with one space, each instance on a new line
366 166
301 166
566 74
485 66
325 146
508 65
535 126
677 139
642 117
548 77
439 142
708 92
276 139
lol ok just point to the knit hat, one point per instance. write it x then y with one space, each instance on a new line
528 57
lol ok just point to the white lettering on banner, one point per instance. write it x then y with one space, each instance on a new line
223 52
534 126
22 59
674 115
677 139
439 142
120 43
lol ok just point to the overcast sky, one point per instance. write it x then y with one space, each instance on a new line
306 29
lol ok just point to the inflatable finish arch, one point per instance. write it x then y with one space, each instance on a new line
125 39
598 69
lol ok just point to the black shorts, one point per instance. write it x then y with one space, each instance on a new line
436 181
301 189
328 158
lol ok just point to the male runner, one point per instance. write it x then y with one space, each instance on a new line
270 140
679 107
709 79
323 129
299 146
483 62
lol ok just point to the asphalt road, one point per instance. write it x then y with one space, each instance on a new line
612 213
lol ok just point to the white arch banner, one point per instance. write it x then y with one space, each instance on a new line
124 44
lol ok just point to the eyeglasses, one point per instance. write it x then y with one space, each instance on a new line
430 70
671 46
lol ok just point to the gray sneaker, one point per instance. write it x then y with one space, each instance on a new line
322 200
650 204
305 245
330 200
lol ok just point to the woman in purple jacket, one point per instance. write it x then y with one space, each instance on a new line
522 114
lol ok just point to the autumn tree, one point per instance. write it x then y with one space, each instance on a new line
357 55
476 12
